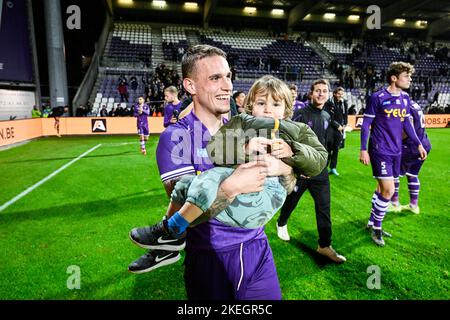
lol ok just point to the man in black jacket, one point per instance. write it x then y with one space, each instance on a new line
338 109
318 186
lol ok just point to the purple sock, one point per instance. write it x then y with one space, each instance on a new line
379 210
414 188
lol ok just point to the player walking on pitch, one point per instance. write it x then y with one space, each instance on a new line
385 115
141 112
411 163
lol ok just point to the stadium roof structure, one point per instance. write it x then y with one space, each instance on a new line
430 17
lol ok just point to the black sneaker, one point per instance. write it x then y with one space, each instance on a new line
153 260
157 237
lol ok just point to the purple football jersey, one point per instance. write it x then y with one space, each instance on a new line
418 121
142 120
168 112
182 150
388 113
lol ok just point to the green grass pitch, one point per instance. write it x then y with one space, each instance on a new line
82 216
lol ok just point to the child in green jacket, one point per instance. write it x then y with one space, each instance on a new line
270 103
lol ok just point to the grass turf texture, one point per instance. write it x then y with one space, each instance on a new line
83 215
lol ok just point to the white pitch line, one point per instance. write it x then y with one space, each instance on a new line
119 144
27 191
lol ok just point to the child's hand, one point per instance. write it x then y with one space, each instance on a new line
275 167
280 149
257 146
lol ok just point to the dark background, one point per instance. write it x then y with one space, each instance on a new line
78 43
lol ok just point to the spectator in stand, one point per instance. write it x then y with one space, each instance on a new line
122 80
127 111
36 113
436 96
239 98
119 111
233 73
46 111
134 83
103 111
123 91
81 111
112 113
88 107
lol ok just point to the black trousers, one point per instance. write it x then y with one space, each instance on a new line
320 191
334 145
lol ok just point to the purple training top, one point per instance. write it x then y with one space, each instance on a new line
298 105
385 114
182 150
142 120
168 112
418 121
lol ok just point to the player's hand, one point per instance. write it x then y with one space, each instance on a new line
173 120
280 149
247 178
423 152
364 157
275 167
257 145
341 128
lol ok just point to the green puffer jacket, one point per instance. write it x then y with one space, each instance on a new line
226 147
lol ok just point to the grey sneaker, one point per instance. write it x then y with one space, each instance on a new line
383 233
330 253
377 237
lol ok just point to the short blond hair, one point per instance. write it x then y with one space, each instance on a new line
171 89
273 86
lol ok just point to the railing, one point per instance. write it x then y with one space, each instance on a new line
156 109
283 75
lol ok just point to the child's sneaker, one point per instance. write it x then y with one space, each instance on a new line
152 260
157 237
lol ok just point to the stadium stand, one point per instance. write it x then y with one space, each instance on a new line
358 63
255 53
129 45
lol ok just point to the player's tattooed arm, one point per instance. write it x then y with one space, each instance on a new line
223 200
246 178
